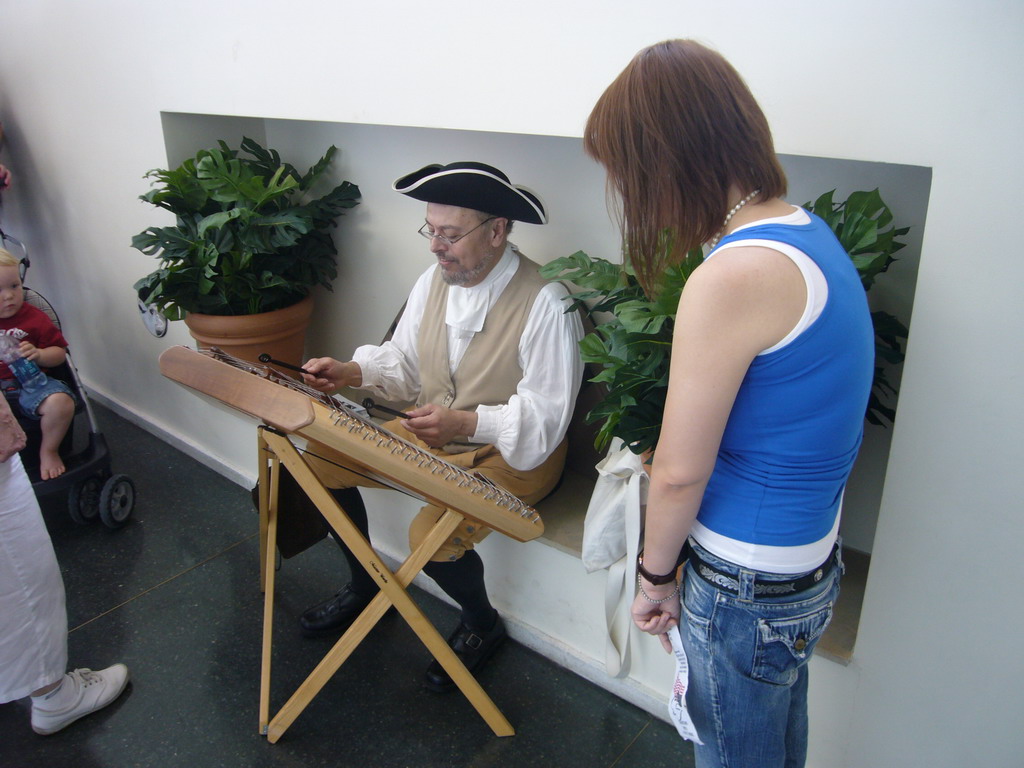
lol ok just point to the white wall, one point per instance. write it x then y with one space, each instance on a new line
935 680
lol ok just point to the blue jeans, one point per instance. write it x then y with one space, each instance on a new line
748 665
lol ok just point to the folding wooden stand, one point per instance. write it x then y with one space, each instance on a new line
365 450
276 449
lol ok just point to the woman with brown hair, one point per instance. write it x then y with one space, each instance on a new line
772 360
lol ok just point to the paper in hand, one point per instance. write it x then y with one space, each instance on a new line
677 711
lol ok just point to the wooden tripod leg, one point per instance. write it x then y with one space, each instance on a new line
269 477
392 592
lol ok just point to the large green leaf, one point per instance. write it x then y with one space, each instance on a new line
180 190
169 243
231 180
318 168
219 219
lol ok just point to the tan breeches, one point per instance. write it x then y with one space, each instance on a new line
530 485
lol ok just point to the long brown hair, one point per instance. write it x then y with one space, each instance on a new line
674 130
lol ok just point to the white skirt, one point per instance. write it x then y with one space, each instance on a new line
33 618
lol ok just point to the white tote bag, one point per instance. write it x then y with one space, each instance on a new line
611 537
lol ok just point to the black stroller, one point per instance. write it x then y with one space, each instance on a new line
93 490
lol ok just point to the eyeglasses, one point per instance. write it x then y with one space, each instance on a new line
451 240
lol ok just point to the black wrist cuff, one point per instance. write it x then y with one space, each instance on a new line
654 578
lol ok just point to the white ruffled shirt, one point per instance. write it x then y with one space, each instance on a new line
532 424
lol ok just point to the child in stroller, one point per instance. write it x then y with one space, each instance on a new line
92 490
39 340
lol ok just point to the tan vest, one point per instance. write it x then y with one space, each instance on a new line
489 371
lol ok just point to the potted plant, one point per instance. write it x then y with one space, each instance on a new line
633 332
250 241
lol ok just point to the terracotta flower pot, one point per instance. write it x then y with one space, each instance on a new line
281 333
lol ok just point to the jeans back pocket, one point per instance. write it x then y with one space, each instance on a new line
786 643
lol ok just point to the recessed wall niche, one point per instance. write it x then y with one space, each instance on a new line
380 254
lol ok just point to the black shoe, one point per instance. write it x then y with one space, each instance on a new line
472 647
334 614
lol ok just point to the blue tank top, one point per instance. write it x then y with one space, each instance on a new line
798 420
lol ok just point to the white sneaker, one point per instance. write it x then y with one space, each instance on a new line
82 693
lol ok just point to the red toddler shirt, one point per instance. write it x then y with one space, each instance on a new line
34 325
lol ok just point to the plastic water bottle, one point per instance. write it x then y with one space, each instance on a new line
26 371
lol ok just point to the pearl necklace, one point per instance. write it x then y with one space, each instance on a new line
733 212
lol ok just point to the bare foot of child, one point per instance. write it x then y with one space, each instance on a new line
50 465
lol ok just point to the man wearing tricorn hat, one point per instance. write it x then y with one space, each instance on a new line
486 351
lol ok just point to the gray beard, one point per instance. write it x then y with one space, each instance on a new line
469 275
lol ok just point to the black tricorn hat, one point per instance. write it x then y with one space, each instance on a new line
473 185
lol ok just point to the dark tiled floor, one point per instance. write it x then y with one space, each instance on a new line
175 596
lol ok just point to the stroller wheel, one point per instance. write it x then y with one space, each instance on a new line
84 500
117 501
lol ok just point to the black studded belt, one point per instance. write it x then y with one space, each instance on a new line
763 587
